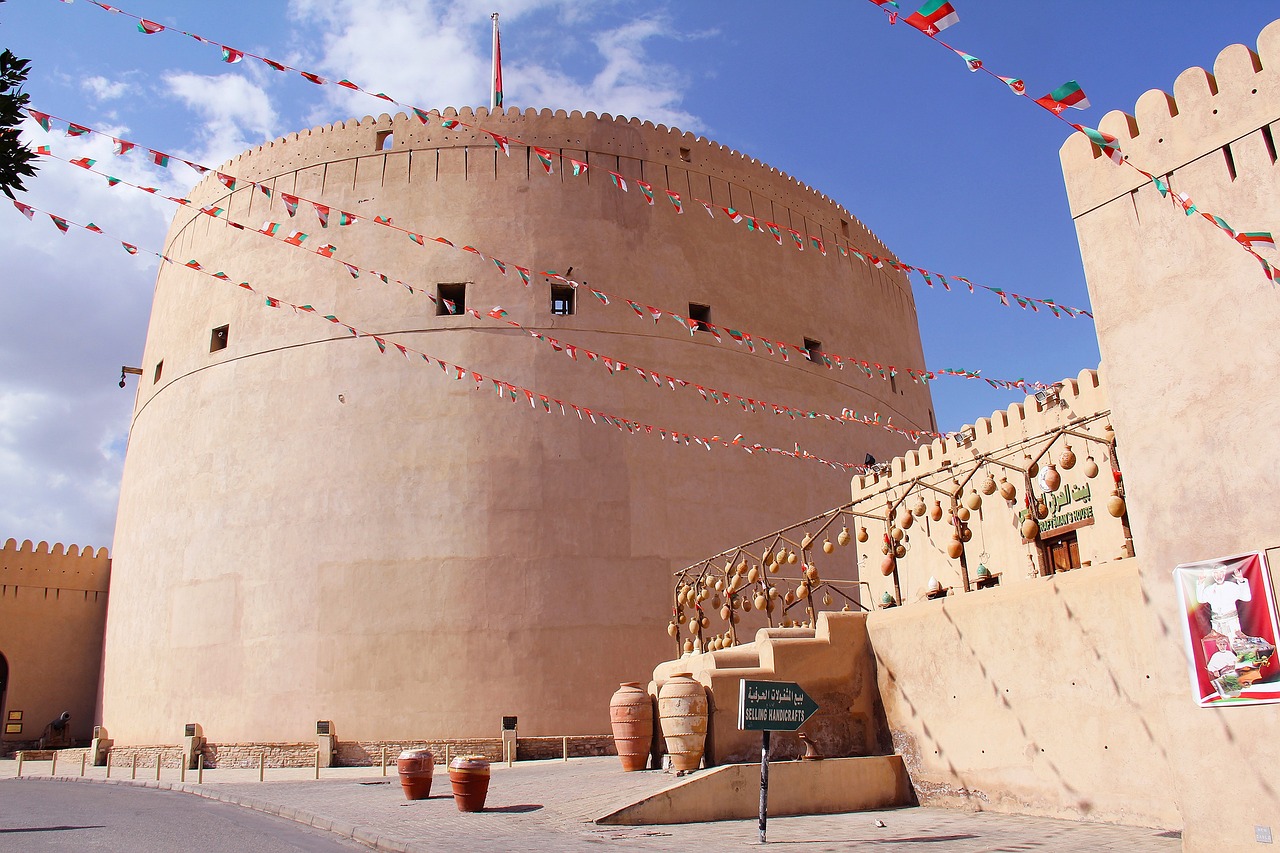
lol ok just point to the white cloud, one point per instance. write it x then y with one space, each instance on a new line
237 113
106 90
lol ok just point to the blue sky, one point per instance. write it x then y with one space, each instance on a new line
948 168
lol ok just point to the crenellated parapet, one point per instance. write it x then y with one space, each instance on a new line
1209 114
54 567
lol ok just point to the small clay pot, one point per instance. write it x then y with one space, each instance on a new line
1052 479
955 548
1030 529
886 567
1115 504
844 536
935 511
973 500
1090 467
1068 458
1008 491
469 777
988 485
862 534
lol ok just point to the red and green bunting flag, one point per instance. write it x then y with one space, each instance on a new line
544 157
149 27
675 200
933 17
1069 94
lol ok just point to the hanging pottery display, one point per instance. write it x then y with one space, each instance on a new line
416 767
1051 478
469 778
955 548
973 500
905 519
919 509
631 716
682 712
844 537
863 536
828 547
1007 490
1067 460
988 485
935 511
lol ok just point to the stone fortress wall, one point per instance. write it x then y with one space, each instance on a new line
1187 329
311 530
53 608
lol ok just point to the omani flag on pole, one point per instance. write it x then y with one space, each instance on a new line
934 17
495 99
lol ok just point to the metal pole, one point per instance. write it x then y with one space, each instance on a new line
200 769
262 766
764 782
182 768
53 765
564 743
318 763
384 761
159 761
493 71
133 773
83 757
108 764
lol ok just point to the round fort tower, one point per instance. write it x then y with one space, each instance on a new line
313 529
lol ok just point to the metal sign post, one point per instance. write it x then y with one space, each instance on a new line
771 706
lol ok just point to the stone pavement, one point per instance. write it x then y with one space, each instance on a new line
551 804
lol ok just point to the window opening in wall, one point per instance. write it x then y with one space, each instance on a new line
451 299
686 155
159 370
933 425
1231 161
562 299
218 339
813 350
893 383
844 228
701 316
1270 142
384 140
1063 553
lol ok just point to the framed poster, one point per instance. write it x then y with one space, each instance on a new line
1230 629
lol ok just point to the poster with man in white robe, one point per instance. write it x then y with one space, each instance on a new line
1230 629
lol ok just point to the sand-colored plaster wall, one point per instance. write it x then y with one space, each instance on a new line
53 607
1036 698
309 529
1187 327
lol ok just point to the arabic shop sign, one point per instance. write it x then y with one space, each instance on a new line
779 706
1068 505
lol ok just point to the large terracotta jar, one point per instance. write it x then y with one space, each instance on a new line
416 767
631 713
469 776
682 710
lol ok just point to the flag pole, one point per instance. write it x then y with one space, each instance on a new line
495 78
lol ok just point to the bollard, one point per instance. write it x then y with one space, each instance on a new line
53 765
134 772
108 764
262 766
511 754
384 761
317 762
200 769
20 756
182 769
159 761
83 757
565 744
446 755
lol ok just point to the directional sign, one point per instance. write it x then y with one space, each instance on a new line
779 706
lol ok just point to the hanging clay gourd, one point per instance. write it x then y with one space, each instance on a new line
806 542
863 536
966 534
718 585
773 568
1115 504
734 618
742 567
905 519
828 547
884 549
955 548
1108 433
962 513
1067 459
973 500
935 511
1042 509
746 604
811 574
760 602
1090 467
802 591
1033 467
919 509
791 557
789 597
773 592
1052 479
844 537
767 558
672 629
725 612
693 625
753 575
1030 528
900 551
895 533
826 599
706 622
1007 490
988 485
886 567
715 602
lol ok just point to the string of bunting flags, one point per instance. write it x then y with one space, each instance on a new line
326 214
296 239
503 388
547 159
936 15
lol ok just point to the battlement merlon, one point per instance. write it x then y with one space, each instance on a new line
1205 113
55 567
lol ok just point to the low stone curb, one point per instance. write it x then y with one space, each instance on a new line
360 834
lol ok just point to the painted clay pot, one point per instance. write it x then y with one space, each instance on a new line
899 551
416 767
844 536
1052 479
631 714
1068 459
682 711
989 485
1007 490
469 777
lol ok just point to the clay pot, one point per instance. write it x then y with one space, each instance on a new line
973 500
1033 467
988 486
1007 490
631 715
962 513
1115 504
955 548
1090 467
900 551
672 629
935 511
1042 510
828 547
826 599
416 767
862 534
966 534
682 711
886 567
760 602
844 537
802 591
469 777
919 509
791 557
806 542
1052 479
1068 458
905 519
1030 528
753 575
896 534
688 645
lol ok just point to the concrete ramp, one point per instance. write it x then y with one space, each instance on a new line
732 792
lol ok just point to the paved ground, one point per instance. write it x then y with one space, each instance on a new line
550 805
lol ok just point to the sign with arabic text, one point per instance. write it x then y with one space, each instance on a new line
777 706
